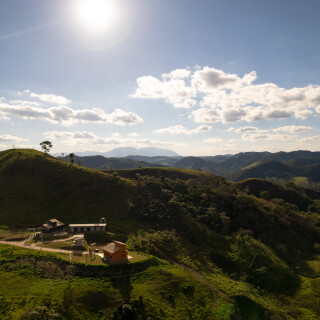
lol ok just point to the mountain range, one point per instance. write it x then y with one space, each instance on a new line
281 165
127 151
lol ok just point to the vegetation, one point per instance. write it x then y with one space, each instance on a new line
248 250
46 146
71 157
301 167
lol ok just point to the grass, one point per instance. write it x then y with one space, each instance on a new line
167 291
72 193
314 265
16 234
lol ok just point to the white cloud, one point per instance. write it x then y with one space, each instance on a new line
115 135
310 139
133 134
204 115
84 140
226 97
303 114
179 129
266 137
68 116
292 129
172 90
232 115
10 138
49 98
24 103
207 79
247 129
213 140
123 118
177 74
4 117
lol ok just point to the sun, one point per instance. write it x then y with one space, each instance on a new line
97 15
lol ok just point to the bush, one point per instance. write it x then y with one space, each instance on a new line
41 313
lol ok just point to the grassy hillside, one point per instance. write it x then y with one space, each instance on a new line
277 170
35 187
170 173
229 251
150 289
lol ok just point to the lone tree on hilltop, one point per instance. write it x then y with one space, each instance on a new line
46 146
71 156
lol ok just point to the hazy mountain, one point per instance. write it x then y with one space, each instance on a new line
103 163
128 151
165 161
278 170
279 165
197 163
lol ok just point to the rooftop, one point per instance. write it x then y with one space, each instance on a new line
88 225
111 248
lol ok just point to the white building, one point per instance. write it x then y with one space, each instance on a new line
87 227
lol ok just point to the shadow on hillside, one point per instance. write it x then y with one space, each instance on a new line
123 284
304 269
249 309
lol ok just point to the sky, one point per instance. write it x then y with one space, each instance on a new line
200 77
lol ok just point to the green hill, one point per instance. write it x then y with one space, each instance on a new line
35 187
101 163
245 250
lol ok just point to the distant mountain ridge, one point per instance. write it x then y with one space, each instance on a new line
279 165
128 151
103 163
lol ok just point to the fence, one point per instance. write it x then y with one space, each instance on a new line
25 246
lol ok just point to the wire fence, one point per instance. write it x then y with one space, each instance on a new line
30 247
75 255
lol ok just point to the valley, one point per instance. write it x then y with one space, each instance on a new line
207 248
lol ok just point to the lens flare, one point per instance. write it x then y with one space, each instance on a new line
97 15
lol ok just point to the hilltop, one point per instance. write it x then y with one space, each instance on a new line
253 241
36 187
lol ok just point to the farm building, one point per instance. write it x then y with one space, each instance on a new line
115 251
87 227
52 225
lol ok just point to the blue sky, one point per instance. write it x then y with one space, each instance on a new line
198 77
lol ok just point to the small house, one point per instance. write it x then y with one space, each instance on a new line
87 227
52 225
115 251
79 240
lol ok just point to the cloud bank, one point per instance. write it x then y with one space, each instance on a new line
218 96
62 114
10 138
86 140
179 129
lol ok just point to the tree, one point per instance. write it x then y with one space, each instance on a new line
46 146
71 156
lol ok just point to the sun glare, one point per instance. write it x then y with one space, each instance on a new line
97 15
